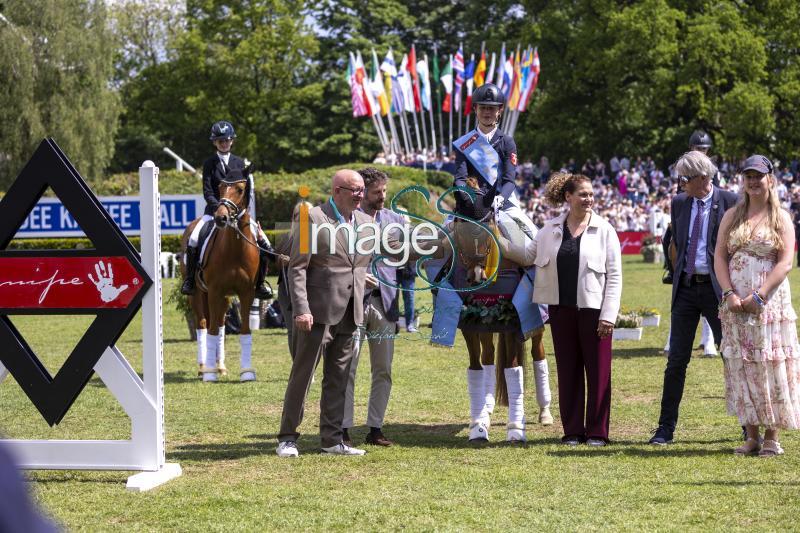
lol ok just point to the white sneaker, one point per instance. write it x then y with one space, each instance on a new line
343 449
411 329
287 449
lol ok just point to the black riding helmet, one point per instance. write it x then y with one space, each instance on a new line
222 130
488 94
700 139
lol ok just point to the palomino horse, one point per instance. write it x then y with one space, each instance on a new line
504 366
228 266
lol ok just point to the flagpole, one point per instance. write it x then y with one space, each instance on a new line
395 141
430 106
385 134
438 99
378 131
450 144
404 131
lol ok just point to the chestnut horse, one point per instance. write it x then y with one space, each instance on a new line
228 266
502 366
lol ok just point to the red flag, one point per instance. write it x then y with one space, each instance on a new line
412 69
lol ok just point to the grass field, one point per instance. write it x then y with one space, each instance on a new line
223 435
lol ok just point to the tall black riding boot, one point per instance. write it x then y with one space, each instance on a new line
262 291
190 260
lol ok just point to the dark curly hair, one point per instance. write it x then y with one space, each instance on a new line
373 175
561 183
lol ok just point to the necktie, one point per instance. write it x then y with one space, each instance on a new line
695 239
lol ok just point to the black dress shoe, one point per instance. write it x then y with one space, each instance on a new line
378 439
661 436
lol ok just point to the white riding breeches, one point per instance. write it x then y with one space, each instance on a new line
508 218
195 236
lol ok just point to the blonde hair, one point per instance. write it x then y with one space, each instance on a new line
740 230
561 183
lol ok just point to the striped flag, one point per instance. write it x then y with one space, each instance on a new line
404 79
458 68
425 93
534 78
480 71
508 75
412 69
447 81
516 80
469 75
363 81
356 93
376 86
490 72
500 67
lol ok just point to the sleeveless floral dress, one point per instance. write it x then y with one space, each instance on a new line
762 356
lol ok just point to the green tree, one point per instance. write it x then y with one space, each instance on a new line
59 54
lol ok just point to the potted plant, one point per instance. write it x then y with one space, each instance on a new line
651 249
628 326
651 317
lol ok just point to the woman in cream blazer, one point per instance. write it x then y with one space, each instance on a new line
579 275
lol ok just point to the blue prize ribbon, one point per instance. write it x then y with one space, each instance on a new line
530 314
446 313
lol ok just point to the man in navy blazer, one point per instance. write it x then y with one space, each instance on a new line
381 311
696 214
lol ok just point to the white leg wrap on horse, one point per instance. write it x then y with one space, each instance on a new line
201 346
541 373
477 395
210 368
246 373
489 382
246 344
221 348
516 404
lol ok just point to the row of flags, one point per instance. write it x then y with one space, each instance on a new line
409 87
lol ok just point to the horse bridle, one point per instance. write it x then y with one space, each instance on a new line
234 211
478 257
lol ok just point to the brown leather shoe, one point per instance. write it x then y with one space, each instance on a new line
346 440
377 439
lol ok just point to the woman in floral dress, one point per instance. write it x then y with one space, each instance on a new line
753 256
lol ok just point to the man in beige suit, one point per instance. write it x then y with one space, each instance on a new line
327 293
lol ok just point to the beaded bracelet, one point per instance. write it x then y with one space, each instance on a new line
726 293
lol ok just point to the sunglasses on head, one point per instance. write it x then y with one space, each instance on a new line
686 179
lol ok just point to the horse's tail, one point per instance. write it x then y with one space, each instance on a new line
509 351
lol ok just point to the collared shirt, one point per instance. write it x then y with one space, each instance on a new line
701 265
487 136
224 157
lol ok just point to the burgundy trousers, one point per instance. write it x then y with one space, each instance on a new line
584 371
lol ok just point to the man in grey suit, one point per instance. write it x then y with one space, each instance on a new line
696 214
327 293
381 312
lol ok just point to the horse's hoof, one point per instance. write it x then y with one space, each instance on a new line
200 370
247 374
516 433
478 432
545 418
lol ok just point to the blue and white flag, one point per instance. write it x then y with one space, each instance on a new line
480 153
